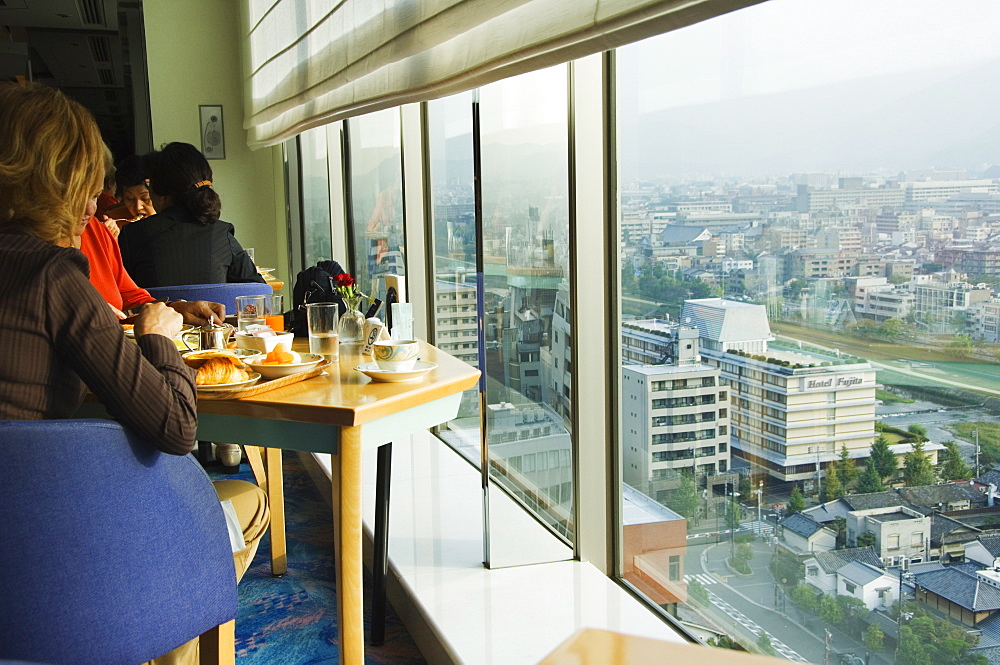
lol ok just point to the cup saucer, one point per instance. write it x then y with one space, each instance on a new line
420 369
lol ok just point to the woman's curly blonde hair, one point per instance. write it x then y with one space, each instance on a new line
52 161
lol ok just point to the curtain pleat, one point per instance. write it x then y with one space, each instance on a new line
311 62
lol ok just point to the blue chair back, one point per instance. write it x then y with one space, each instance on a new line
224 293
112 552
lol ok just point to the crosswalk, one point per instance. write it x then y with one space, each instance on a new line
704 578
759 527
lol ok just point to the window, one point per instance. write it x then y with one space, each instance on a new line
376 198
675 568
685 167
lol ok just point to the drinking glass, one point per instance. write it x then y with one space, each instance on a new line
273 316
322 319
250 311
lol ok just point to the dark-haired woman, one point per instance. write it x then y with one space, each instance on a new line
186 242
133 192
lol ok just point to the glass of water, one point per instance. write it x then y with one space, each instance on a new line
250 312
322 319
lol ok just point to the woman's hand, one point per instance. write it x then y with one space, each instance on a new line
156 318
111 224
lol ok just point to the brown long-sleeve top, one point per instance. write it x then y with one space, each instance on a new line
58 337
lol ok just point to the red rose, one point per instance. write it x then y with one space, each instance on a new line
344 280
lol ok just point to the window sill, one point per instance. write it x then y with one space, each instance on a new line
457 610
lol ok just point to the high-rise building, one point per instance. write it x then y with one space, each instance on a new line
675 412
792 412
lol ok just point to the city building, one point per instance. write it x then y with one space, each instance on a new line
792 412
675 417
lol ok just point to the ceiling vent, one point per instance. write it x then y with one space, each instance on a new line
100 48
107 76
92 12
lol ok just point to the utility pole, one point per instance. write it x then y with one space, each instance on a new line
760 493
977 452
826 646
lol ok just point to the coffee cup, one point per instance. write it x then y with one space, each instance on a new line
395 355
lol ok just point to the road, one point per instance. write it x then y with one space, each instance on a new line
748 605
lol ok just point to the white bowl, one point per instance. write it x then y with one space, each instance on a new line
263 344
309 360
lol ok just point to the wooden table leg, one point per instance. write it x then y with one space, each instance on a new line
346 476
276 504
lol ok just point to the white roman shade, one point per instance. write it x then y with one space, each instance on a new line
310 62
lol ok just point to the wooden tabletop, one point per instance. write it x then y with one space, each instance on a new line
346 397
594 646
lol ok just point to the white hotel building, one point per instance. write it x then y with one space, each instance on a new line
791 412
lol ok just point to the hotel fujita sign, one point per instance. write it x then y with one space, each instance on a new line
832 382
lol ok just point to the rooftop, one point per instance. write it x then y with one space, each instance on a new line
637 508
895 516
729 321
967 590
801 524
860 573
833 561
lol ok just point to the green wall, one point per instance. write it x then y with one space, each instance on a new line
193 56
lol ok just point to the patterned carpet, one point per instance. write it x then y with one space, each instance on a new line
292 620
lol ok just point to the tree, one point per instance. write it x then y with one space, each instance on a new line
764 644
796 503
919 430
885 460
870 480
866 539
733 514
874 637
744 489
744 551
892 328
960 346
685 500
953 467
832 489
847 470
917 469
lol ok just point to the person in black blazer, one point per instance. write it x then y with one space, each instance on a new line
185 243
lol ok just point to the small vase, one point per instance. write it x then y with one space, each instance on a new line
351 328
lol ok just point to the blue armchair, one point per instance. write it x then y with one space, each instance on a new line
111 552
224 293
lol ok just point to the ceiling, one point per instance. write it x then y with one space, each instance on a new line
91 49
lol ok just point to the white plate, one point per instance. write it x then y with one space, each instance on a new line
254 376
394 375
309 360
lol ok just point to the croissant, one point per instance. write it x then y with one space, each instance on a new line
219 370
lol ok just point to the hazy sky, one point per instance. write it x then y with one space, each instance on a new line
785 45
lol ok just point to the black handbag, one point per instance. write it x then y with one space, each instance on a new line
313 285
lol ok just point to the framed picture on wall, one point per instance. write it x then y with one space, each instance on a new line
213 138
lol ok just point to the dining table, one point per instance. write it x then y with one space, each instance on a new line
342 412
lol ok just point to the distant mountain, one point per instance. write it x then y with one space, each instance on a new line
944 118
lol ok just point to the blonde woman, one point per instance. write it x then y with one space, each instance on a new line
51 168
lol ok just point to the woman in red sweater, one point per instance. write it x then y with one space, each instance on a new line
109 277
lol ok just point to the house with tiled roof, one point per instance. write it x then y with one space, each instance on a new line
944 497
869 584
949 536
965 596
823 569
985 549
800 534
